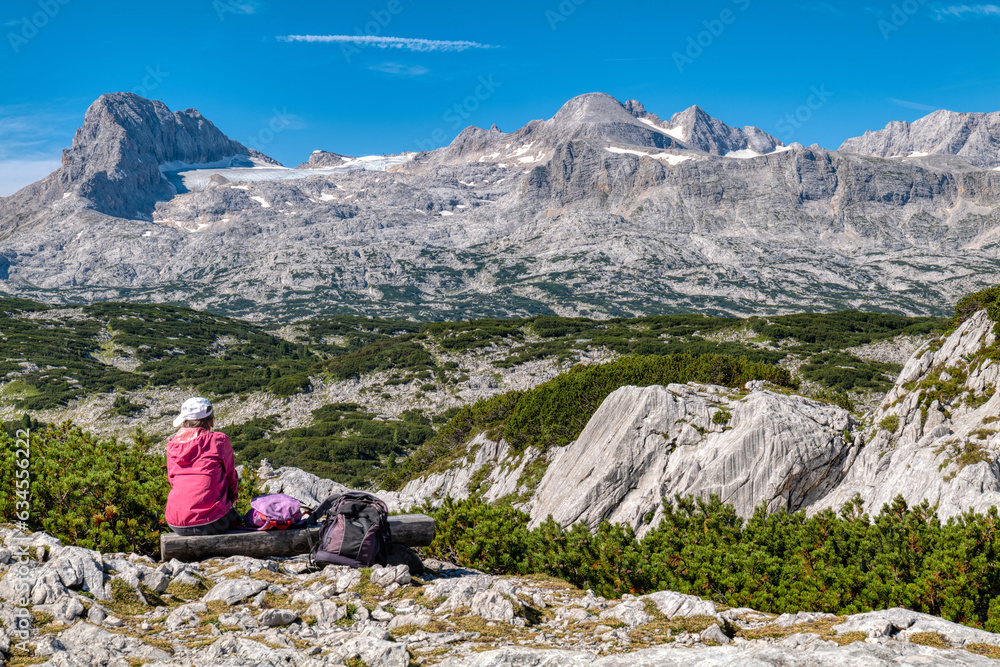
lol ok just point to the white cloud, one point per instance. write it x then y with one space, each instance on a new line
396 68
967 11
407 43
15 174
912 105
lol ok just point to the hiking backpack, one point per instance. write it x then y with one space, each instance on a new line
355 530
273 511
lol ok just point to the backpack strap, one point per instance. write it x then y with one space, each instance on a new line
323 508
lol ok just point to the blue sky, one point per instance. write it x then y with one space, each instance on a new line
279 76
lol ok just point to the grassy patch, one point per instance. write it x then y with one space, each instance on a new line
989 650
660 628
935 639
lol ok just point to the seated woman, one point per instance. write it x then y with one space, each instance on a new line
202 473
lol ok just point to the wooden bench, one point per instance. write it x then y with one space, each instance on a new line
411 530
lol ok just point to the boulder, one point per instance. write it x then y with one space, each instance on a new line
647 443
276 618
232 591
492 606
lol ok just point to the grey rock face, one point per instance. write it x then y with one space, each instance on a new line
324 160
944 453
644 444
630 612
696 130
678 605
973 136
600 210
117 152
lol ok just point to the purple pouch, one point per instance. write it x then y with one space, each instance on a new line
273 511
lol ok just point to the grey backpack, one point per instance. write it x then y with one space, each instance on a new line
355 530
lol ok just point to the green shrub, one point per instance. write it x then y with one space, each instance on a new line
345 443
776 563
841 372
106 495
987 299
397 354
494 537
555 412
722 417
100 494
890 423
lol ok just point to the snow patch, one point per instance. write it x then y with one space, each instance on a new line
745 154
522 150
327 197
261 201
532 158
668 157
447 213
67 194
918 154
676 133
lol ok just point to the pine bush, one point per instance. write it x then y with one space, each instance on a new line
775 562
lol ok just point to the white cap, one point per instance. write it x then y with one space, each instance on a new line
194 408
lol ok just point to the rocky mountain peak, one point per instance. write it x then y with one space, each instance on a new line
114 162
700 131
636 108
973 136
592 108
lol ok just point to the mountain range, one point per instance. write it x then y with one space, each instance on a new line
604 209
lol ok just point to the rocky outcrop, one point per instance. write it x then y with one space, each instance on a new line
934 437
246 612
644 444
324 160
495 472
972 136
114 163
696 130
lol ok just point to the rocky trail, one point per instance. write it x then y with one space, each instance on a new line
118 610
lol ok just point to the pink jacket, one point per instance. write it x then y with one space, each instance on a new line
202 473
